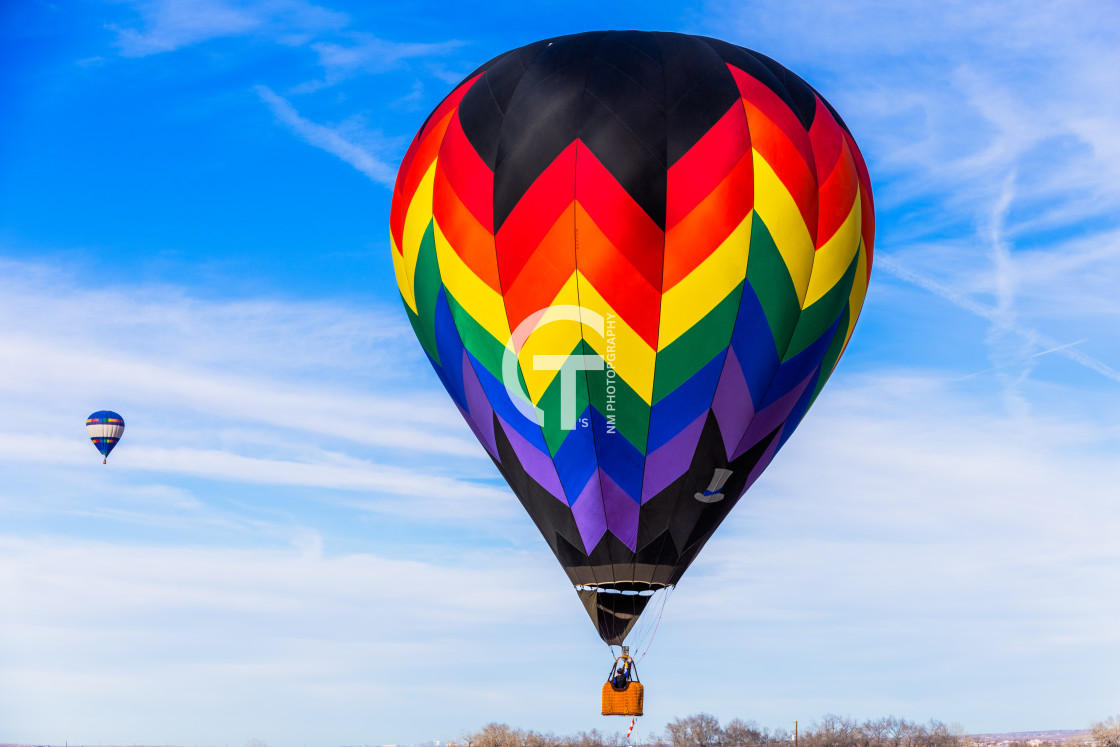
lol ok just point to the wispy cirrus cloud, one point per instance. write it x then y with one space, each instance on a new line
363 54
167 25
308 396
333 140
910 521
909 530
995 156
308 636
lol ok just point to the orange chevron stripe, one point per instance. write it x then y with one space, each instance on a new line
693 239
770 104
623 223
534 217
699 171
466 235
547 267
468 175
786 160
616 279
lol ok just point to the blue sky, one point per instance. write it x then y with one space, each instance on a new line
299 541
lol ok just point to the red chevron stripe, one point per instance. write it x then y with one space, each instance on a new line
445 107
533 217
836 172
693 239
770 104
617 280
827 139
627 227
470 239
419 158
837 193
695 174
867 201
547 266
423 153
799 178
468 175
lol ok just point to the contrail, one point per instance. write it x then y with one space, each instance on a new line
1035 355
892 266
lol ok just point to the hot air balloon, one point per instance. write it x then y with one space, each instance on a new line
633 259
105 428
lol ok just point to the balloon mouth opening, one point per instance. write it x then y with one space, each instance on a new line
614 607
628 588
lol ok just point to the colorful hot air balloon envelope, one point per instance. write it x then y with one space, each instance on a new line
105 428
633 259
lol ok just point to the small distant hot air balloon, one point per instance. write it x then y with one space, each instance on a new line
105 428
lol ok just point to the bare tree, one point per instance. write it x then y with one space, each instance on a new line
833 731
1107 733
699 730
496 735
593 738
739 733
778 738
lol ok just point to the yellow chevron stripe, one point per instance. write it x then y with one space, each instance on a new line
833 259
485 304
690 300
776 207
633 359
416 221
550 336
408 293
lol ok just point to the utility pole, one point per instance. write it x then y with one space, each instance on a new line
794 734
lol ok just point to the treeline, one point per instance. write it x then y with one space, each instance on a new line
704 730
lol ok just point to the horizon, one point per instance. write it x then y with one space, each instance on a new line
438 742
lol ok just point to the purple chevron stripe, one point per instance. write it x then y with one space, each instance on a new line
588 513
622 512
769 418
536 464
480 415
732 406
671 460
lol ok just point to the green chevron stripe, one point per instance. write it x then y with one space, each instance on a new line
694 349
631 413
480 343
769 277
427 283
816 319
833 353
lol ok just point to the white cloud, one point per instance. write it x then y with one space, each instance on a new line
116 640
333 403
914 550
990 132
173 24
1036 342
909 534
332 140
304 366
368 54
